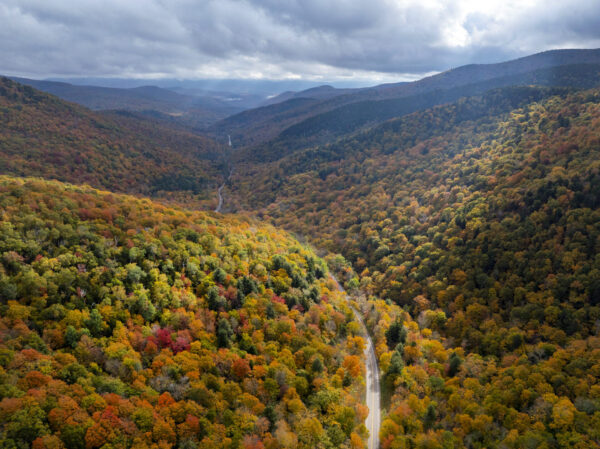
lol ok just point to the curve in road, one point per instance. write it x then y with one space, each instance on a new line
373 398
220 205
220 192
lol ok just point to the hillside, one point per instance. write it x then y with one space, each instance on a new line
44 136
196 111
325 118
324 92
128 324
481 72
355 117
461 213
255 126
480 219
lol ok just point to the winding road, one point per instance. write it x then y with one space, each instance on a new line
220 205
373 399
373 396
220 192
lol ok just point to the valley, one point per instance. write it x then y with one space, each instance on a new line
160 286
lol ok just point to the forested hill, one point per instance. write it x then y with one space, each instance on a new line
196 111
41 135
125 323
391 138
481 218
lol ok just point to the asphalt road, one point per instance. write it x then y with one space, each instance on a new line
220 190
220 205
373 398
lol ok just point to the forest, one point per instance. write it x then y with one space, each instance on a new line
467 234
44 136
482 232
130 324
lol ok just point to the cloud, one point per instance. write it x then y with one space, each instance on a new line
313 39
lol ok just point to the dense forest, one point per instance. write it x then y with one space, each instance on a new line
467 234
130 324
480 221
42 135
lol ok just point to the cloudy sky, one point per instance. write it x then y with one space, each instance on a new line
380 40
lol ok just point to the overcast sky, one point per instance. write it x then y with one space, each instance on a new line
379 40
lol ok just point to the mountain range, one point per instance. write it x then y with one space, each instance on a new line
321 119
456 219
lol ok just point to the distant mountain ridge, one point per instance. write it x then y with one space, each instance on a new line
479 72
200 111
321 92
355 117
249 131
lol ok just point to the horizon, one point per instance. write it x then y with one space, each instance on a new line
265 85
363 42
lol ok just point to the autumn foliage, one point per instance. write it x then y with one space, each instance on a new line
41 135
130 324
476 223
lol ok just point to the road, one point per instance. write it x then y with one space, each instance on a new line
373 396
220 192
373 399
220 205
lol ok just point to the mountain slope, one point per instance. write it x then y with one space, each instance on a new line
324 92
480 218
481 72
44 136
128 324
193 110
385 139
261 124
520 71
354 117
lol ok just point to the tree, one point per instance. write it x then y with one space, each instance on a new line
454 364
224 333
95 323
26 424
219 275
73 437
395 334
